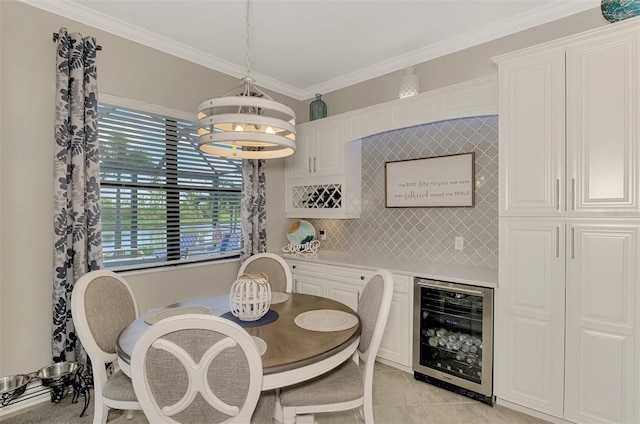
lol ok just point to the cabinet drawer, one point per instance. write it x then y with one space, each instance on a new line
299 267
350 275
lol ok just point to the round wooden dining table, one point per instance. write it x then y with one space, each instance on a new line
293 354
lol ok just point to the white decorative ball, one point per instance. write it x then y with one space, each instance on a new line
250 297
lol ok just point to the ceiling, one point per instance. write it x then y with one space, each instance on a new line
302 47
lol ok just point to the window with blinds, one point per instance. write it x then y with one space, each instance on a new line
163 201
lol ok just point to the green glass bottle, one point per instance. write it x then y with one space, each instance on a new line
317 108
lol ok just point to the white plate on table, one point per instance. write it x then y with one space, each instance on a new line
170 312
326 320
261 344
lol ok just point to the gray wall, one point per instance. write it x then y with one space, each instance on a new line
464 65
133 71
27 85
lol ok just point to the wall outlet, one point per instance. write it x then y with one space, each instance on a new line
323 235
459 243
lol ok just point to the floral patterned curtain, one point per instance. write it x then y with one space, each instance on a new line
254 213
77 230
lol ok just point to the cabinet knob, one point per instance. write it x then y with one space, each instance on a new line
362 277
293 266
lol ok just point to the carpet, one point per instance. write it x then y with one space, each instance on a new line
64 412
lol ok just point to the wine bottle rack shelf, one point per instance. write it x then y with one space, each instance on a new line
324 196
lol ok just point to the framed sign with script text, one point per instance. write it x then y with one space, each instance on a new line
435 182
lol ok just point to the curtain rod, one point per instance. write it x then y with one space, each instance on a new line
56 36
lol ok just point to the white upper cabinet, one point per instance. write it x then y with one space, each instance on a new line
301 162
603 125
577 97
318 183
532 134
319 149
330 148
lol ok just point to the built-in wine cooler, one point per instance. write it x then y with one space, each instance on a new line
453 337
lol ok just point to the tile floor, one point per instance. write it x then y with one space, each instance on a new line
399 399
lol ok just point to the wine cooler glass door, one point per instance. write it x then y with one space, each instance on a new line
455 339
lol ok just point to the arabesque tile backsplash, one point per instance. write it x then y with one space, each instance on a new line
425 234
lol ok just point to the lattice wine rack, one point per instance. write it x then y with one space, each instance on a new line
325 196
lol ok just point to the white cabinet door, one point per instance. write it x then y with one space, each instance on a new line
329 156
602 349
603 126
307 284
346 293
308 277
396 340
299 165
530 314
532 135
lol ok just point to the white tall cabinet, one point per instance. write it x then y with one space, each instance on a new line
568 299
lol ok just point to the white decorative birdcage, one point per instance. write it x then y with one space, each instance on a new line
250 297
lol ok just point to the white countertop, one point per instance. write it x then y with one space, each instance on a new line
484 277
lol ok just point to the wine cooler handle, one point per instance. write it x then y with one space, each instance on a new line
457 289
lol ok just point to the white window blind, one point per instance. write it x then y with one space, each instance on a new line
163 201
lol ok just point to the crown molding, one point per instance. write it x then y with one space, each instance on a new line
82 14
558 10
125 30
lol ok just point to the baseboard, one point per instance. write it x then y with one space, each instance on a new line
394 365
27 400
532 412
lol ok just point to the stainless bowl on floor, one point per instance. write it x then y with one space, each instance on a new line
58 374
13 386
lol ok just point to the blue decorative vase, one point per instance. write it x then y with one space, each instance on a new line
618 10
317 108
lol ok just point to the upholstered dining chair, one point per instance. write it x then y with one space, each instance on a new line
102 304
349 386
197 368
274 266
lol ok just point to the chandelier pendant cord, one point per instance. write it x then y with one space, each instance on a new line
248 38
248 88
